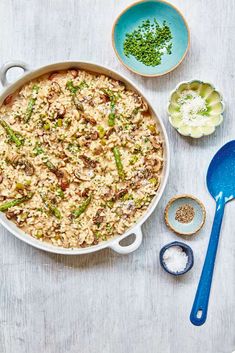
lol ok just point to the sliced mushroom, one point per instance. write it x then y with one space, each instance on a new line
144 106
27 166
110 132
94 135
1 178
7 100
156 143
98 217
157 165
74 73
84 174
79 106
121 193
61 111
10 215
95 241
88 162
98 150
90 120
54 91
104 98
63 178
85 192
55 87
52 75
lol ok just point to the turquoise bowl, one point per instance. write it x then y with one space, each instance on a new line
185 228
133 16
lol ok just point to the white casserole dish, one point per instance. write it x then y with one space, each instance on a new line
114 243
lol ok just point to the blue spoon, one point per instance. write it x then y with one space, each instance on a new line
221 185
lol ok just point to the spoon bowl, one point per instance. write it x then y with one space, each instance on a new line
221 185
221 173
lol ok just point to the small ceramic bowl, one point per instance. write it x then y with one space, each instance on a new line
186 249
212 116
189 228
133 16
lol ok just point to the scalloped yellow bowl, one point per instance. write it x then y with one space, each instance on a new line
214 112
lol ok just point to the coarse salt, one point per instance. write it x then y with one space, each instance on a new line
175 259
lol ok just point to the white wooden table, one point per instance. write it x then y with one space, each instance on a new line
107 303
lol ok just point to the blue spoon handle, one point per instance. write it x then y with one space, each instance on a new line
199 310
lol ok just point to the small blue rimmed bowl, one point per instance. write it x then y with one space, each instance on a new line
162 11
197 221
188 251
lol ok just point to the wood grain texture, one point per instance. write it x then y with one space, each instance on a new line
106 302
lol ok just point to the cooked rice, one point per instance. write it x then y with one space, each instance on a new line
68 144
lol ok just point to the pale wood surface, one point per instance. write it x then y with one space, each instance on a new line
106 302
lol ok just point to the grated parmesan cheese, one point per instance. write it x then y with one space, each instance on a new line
193 108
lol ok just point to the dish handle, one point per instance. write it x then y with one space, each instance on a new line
9 65
129 248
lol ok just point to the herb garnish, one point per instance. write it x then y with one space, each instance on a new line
149 42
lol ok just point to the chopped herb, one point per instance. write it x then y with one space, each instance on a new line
153 181
135 111
46 126
38 149
39 234
149 42
60 193
20 186
59 122
152 128
133 159
82 85
73 89
73 148
70 86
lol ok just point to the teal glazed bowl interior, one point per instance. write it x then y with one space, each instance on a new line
133 16
185 228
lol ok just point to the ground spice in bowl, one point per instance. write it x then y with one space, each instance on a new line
185 214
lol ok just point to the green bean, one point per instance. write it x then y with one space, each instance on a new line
118 161
81 209
31 104
11 133
6 205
